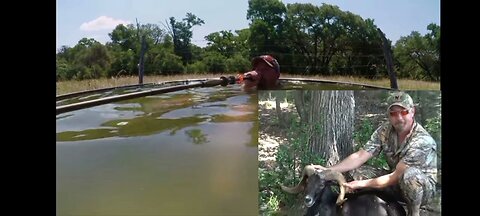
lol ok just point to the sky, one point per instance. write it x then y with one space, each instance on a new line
77 19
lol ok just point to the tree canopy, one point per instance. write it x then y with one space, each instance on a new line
305 38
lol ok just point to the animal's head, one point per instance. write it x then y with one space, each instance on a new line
316 183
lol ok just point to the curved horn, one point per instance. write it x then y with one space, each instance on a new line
307 171
335 175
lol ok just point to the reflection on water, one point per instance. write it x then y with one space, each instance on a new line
197 136
192 152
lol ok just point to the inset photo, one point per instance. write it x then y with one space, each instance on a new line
350 152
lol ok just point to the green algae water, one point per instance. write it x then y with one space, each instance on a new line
191 152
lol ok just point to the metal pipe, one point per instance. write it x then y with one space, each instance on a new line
85 104
74 94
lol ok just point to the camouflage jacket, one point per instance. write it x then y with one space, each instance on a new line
418 150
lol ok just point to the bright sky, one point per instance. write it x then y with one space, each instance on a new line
96 18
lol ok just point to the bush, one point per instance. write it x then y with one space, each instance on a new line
238 64
291 158
197 68
361 136
215 62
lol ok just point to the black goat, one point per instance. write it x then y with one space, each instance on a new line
322 199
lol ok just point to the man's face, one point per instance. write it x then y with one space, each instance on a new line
401 118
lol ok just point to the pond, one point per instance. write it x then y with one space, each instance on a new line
191 152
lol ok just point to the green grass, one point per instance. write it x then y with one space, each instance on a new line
64 87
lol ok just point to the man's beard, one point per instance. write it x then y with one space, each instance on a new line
400 126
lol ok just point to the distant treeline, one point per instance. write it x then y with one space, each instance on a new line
306 39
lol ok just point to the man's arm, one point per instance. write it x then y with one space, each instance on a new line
353 161
379 182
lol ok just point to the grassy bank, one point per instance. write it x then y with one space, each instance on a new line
64 87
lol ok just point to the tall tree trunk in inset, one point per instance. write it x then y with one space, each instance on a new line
280 95
331 119
298 97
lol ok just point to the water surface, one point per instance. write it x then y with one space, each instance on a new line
192 152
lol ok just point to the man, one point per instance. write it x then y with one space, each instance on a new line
264 75
410 153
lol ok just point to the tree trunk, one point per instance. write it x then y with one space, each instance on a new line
389 60
278 109
142 61
331 120
300 105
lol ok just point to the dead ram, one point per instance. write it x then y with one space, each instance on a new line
322 199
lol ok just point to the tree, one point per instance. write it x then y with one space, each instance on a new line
181 33
232 47
167 63
419 56
266 28
325 34
94 58
241 42
221 42
124 36
215 62
123 62
330 118
361 49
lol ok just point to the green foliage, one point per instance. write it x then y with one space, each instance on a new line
181 32
332 41
271 11
290 158
361 136
268 181
266 26
64 70
215 62
238 64
433 127
169 64
305 38
419 56
123 63
198 67
124 37
221 42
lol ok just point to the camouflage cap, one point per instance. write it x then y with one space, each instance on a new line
400 99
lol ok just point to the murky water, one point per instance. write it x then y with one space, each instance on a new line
192 152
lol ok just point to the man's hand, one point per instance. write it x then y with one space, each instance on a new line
318 167
354 185
253 81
